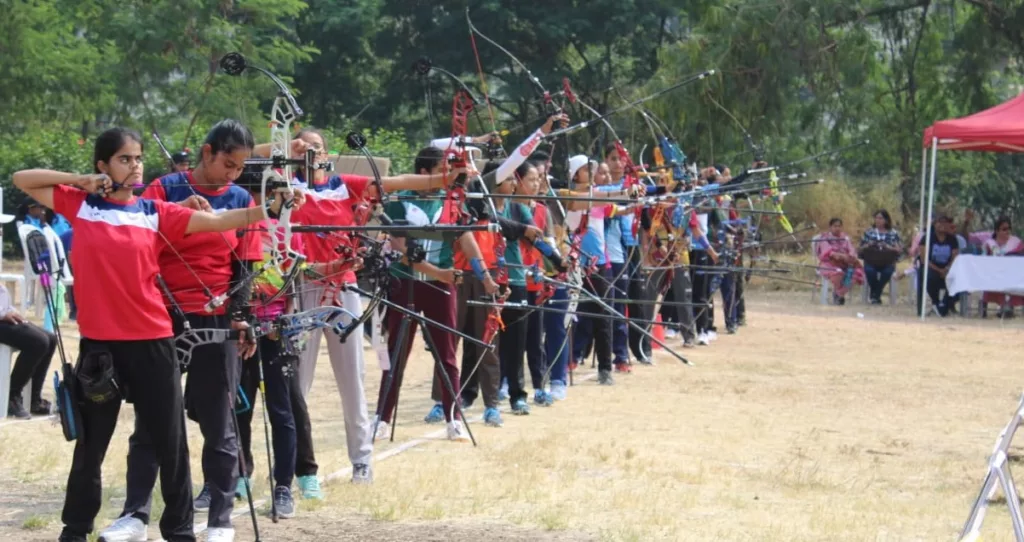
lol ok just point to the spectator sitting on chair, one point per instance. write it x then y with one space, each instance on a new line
880 248
838 261
37 346
1003 243
943 249
32 213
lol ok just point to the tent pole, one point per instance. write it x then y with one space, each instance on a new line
924 177
923 287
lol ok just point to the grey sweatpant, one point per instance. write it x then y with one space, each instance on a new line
349 369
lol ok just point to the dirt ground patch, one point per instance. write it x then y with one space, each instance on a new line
811 424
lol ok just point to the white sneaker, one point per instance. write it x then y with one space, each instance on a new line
712 335
383 431
670 334
702 339
220 534
456 432
125 529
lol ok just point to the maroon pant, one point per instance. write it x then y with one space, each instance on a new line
434 305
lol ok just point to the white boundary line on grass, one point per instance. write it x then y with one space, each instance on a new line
339 474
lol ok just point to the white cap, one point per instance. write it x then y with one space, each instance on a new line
575 163
6 218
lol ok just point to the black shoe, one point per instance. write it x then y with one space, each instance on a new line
731 330
876 301
66 537
284 504
16 410
742 321
41 407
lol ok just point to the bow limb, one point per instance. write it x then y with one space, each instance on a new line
533 79
756 150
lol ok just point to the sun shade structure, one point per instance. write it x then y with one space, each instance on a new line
997 129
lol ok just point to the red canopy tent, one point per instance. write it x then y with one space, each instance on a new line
997 129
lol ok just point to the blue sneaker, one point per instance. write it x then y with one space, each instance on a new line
558 390
436 414
542 398
202 502
503 392
492 417
520 408
240 488
309 487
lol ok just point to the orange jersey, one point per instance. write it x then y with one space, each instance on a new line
531 255
484 240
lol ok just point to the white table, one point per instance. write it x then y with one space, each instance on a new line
972 273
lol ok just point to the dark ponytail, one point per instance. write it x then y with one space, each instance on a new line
524 169
427 159
109 142
228 136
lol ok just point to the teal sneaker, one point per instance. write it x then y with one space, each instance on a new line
240 488
492 417
520 408
436 414
309 487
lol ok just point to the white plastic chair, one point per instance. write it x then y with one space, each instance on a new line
825 291
58 262
31 280
6 360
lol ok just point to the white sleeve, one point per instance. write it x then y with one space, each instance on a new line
518 156
444 143
5 301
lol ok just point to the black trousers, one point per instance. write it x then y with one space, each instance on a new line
701 281
210 388
535 356
641 288
36 346
148 374
937 291
277 371
512 345
668 312
741 301
598 330
682 291
305 458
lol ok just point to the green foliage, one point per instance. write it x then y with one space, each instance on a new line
381 142
800 76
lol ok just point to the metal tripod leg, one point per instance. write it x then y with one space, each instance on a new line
998 475
397 364
447 383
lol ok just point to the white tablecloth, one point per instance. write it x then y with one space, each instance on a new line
972 273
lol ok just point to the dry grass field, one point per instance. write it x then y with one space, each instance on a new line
810 424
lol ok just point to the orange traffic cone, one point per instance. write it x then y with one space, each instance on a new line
658 331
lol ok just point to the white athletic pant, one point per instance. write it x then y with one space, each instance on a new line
349 370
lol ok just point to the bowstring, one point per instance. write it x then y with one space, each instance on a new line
483 81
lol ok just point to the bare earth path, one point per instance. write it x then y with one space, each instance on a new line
810 424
